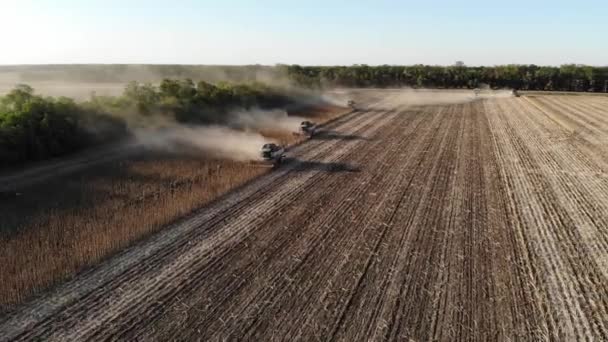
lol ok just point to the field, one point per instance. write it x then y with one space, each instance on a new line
74 212
466 220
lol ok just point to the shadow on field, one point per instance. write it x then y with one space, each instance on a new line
333 135
307 165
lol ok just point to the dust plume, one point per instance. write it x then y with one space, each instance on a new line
80 82
257 119
422 97
238 139
217 141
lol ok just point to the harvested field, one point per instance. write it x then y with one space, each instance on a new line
481 220
72 213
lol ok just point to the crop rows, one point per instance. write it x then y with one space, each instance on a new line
483 220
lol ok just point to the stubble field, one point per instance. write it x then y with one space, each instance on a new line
478 220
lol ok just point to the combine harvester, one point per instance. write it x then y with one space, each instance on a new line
307 129
351 104
271 155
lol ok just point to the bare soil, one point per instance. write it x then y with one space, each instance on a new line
484 220
60 217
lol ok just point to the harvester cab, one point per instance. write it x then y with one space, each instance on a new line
272 154
307 128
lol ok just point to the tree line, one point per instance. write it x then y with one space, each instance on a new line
33 127
570 77
522 77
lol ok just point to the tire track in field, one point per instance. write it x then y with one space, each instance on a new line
465 284
581 110
410 256
464 222
580 170
548 215
519 189
279 284
594 105
422 248
526 310
123 263
223 292
555 234
339 293
574 127
313 287
150 268
365 305
583 198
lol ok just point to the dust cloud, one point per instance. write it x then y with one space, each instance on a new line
424 97
238 139
257 119
216 141
80 82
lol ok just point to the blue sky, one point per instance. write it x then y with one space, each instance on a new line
309 32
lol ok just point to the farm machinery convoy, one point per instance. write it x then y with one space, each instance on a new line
273 155
448 166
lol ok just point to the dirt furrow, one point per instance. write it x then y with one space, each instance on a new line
368 302
344 287
584 199
279 286
423 248
158 243
145 285
362 313
137 292
579 231
164 243
526 309
581 110
560 270
470 221
221 293
424 173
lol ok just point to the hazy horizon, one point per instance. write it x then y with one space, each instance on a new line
315 33
277 64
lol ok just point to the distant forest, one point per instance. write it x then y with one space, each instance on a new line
569 77
34 127
522 77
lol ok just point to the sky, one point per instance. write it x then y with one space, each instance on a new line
311 32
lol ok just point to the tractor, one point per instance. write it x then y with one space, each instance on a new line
272 155
307 128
